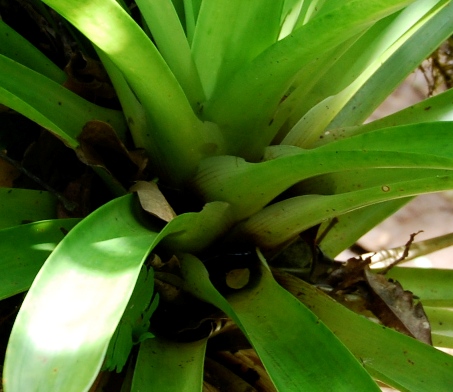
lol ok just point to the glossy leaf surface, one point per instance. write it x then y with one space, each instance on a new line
24 249
19 206
387 355
169 366
76 301
297 350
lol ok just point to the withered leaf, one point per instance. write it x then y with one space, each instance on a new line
347 274
101 147
397 308
153 201
88 78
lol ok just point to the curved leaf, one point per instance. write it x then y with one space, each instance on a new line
58 110
167 366
24 249
297 350
264 81
387 355
341 232
28 54
396 68
63 329
282 221
18 206
80 294
247 188
183 136
436 108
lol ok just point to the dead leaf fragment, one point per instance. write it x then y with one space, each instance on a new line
397 308
153 201
101 147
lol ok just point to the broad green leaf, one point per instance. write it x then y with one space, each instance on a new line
19 206
79 296
169 136
430 285
194 231
229 34
387 355
283 221
167 366
341 232
436 108
69 315
337 87
49 104
17 48
297 350
168 33
24 249
441 321
396 68
264 81
247 188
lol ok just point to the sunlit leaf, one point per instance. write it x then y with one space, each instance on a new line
24 249
77 300
389 356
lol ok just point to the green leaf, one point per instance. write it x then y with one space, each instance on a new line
168 33
247 188
297 350
24 249
441 321
341 232
167 366
264 81
69 315
436 108
387 355
283 221
17 48
183 136
133 326
229 34
59 110
78 298
339 84
396 68
194 231
430 285
18 206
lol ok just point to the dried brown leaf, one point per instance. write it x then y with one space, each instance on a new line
397 308
88 78
100 146
153 201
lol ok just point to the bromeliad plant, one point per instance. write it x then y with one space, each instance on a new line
254 109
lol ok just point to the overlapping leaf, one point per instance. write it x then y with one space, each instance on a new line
267 313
